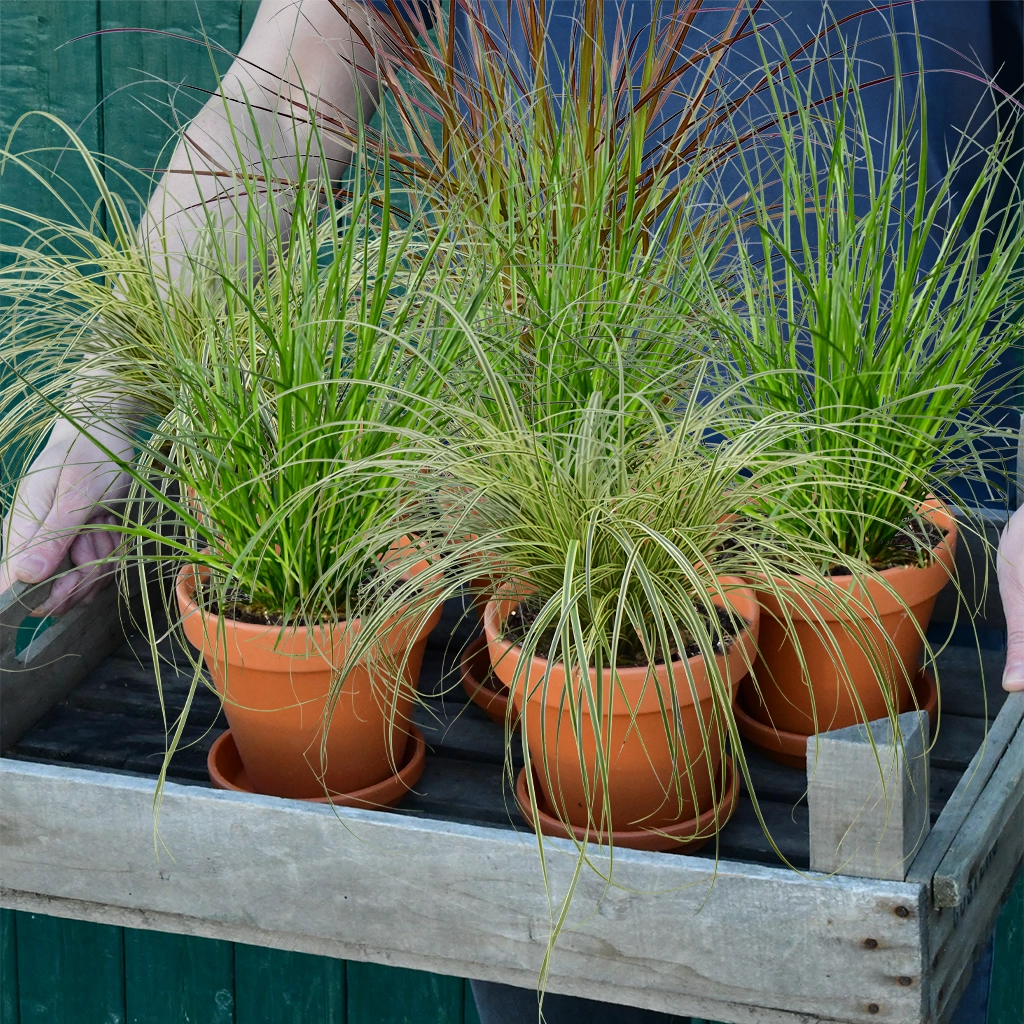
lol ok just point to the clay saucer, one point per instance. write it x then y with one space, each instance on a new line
227 772
790 748
685 836
482 686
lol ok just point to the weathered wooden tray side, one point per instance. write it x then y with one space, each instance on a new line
971 859
466 899
461 900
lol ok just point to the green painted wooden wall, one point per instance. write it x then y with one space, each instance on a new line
56 971
123 92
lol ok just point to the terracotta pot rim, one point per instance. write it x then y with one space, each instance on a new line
876 592
290 642
491 697
686 836
629 673
385 793
934 509
184 585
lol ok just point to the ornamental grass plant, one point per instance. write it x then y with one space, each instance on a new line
516 380
256 413
614 545
867 298
864 295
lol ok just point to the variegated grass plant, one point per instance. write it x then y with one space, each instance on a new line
868 298
619 537
267 401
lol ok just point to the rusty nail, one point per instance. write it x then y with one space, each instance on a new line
872 1007
905 981
901 912
871 943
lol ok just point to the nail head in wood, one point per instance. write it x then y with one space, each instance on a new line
868 798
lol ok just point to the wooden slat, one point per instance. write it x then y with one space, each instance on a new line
15 605
987 825
69 972
171 979
275 987
967 792
385 995
9 1012
39 72
957 936
1007 989
971 681
868 797
456 899
470 1013
151 79
53 664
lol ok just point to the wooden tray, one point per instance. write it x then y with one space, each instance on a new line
450 881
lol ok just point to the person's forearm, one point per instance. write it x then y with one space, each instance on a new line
295 49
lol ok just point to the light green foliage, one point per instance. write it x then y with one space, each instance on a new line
871 300
585 299
273 393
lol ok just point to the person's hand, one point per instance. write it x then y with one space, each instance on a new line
1010 569
61 509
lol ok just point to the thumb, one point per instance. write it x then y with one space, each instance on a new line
1010 570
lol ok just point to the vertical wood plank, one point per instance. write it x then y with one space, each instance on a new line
1006 992
149 80
276 987
867 797
246 15
8 968
69 972
394 995
170 979
38 72
469 1010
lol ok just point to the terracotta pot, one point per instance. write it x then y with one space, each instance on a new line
642 768
482 687
686 836
840 673
790 748
275 692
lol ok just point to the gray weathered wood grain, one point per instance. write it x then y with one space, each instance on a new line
987 825
15 605
956 936
968 790
53 663
867 794
465 900
971 681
